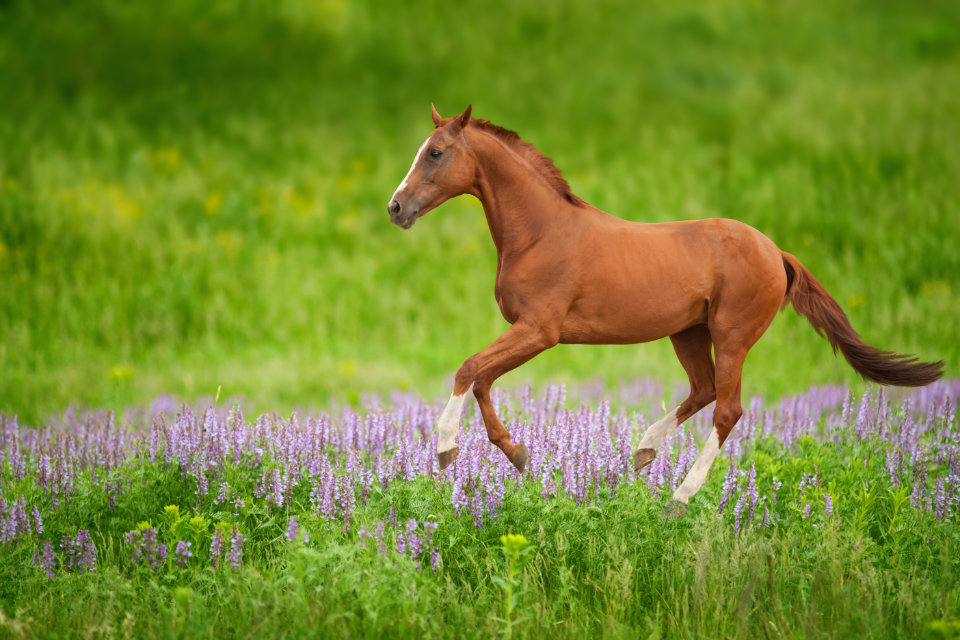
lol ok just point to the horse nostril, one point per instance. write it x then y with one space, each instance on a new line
393 208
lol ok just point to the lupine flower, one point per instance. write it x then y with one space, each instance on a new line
828 504
339 460
145 547
79 553
363 535
235 555
37 521
46 560
293 529
216 548
182 552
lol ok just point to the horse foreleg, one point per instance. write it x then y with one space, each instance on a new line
449 427
693 347
518 344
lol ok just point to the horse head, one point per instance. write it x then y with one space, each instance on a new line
442 169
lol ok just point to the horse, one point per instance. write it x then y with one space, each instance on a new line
570 273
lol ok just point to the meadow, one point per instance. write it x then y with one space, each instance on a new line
195 195
831 515
221 365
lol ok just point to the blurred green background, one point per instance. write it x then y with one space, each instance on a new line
192 192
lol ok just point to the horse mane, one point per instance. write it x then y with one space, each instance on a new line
541 163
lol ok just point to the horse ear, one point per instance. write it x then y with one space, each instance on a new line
463 119
436 116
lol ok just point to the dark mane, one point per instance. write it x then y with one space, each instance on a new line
537 160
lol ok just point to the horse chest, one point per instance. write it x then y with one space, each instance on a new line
500 292
506 309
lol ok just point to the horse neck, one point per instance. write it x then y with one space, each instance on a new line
519 204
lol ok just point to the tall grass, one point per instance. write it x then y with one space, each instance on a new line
193 194
828 515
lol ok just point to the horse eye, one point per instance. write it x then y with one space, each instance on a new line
435 153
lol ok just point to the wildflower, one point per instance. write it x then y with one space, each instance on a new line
235 555
37 521
293 529
738 511
182 552
47 559
216 547
828 504
79 553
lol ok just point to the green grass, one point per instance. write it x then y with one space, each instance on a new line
194 195
609 568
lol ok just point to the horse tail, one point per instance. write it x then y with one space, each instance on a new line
810 299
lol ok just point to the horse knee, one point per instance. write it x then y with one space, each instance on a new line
465 376
698 399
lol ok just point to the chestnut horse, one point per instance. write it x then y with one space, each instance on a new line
570 273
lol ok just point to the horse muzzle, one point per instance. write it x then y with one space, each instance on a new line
403 217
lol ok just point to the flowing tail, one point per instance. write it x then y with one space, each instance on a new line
810 299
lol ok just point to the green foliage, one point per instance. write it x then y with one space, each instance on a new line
193 194
516 553
876 568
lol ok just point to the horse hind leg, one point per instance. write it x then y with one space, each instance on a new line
693 348
731 347
725 416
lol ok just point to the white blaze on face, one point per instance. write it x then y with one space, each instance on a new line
658 431
698 473
416 159
449 425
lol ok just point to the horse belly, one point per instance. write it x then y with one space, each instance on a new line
633 314
645 283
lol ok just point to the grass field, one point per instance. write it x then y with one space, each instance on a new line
192 203
829 515
194 196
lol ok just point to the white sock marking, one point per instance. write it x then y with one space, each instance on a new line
658 431
449 425
698 473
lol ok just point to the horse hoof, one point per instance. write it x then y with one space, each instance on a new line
520 457
445 458
643 457
674 509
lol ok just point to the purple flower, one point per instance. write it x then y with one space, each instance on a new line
235 555
434 559
46 560
79 553
182 552
828 503
37 521
216 548
293 529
